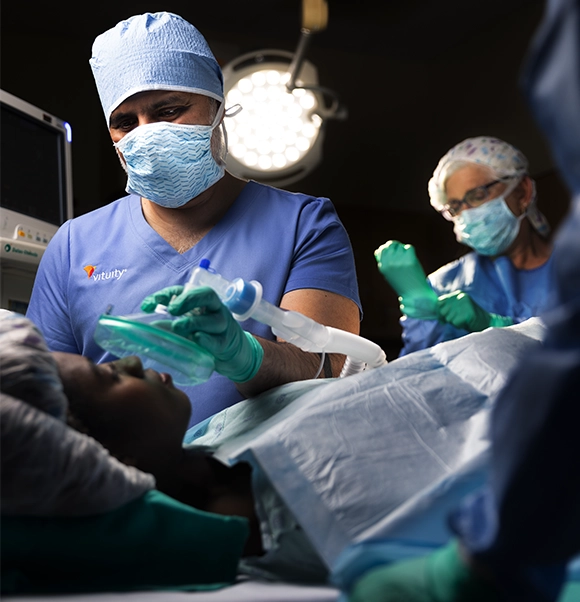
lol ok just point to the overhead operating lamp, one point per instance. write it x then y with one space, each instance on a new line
276 137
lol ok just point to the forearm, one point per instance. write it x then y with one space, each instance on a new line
254 364
284 363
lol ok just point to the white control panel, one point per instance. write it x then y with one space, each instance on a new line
23 239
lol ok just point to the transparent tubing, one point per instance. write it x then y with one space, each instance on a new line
244 299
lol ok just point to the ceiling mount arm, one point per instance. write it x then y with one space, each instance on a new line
314 18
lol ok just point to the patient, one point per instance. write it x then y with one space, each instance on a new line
141 418
313 465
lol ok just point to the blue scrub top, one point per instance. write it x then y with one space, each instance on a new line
286 241
494 284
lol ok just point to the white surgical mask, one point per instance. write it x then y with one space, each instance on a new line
489 229
170 163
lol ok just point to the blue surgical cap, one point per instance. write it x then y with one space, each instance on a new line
153 51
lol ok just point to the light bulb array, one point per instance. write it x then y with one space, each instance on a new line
275 128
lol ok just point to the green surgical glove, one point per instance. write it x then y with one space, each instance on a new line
439 577
400 267
460 310
209 323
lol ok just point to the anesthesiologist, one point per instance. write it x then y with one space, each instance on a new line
161 90
482 186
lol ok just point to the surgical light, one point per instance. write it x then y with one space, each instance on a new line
276 136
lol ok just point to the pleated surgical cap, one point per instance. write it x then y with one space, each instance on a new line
503 159
153 51
48 468
27 368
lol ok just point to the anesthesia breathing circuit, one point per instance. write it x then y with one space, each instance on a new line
150 336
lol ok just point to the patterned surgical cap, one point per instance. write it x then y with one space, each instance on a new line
502 158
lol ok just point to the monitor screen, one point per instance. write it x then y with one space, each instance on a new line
35 192
33 166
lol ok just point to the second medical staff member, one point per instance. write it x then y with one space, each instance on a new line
481 185
161 90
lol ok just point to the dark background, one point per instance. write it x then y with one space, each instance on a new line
415 76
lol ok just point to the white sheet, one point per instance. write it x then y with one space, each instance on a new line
245 591
363 456
348 456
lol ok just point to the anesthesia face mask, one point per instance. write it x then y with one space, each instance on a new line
150 337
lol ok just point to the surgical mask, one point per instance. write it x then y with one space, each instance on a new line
489 229
170 163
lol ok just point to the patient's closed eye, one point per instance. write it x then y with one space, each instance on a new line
114 371
130 366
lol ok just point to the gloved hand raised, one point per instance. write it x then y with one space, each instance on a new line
459 309
400 267
209 323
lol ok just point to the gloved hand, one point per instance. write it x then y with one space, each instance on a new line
459 309
441 576
209 323
400 267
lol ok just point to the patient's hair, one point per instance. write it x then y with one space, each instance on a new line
101 426
75 422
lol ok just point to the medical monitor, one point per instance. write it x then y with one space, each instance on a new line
35 191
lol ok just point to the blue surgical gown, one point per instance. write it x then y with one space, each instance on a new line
494 284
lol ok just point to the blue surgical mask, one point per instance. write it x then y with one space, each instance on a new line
489 229
170 163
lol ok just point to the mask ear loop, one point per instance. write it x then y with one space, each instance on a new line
233 110
220 113
529 207
122 160
509 190
229 112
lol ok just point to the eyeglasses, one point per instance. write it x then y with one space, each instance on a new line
473 198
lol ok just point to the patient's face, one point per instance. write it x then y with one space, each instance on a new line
128 409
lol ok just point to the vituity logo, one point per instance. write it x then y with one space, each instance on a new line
115 274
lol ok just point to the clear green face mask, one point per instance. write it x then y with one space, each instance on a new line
149 336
